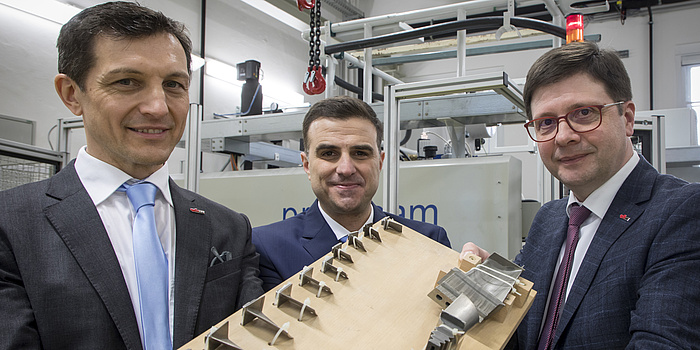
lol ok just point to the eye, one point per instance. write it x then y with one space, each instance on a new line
546 124
125 82
174 85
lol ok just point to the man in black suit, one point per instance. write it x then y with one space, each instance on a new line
342 158
68 279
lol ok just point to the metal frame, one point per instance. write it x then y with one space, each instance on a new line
393 94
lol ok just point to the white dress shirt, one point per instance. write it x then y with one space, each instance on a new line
101 180
598 203
337 228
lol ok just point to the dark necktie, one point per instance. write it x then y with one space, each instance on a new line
151 268
577 215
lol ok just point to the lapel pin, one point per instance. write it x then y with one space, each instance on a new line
197 211
624 217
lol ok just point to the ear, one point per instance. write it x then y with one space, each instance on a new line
628 113
67 90
305 163
381 160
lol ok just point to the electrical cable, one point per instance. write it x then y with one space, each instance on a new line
48 136
356 89
242 113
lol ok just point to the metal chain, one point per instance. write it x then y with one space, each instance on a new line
312 33
317 53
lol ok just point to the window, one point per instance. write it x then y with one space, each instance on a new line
691 75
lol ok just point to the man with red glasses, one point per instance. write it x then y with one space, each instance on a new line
617 263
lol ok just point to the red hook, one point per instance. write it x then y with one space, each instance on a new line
308 77
303 4
319 83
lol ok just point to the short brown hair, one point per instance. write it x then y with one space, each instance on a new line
343 108
560 63
116 20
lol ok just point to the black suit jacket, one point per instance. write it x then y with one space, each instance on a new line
287 246
638 286
61 286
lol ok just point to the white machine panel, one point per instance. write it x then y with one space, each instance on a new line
474 199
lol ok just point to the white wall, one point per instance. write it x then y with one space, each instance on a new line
237 32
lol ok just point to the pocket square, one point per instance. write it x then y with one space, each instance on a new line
223 257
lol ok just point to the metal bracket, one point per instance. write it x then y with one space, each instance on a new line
340 253
371 232
217 339
253 310
390 224
327 265
305 277
284 295
356 241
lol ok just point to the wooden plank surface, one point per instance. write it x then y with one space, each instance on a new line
382 305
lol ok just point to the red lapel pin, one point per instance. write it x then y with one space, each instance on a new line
197 211
624 217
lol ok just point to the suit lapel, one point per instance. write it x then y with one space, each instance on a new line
622 213
193 243
77 221
318 236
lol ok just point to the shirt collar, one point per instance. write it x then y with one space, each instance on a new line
101 179
599 201
337 228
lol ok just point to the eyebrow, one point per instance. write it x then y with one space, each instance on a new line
176 74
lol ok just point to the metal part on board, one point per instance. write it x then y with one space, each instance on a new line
284 295
253 310
340 253
327 265
305 277
217 339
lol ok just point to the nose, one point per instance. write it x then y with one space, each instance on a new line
565 134
346 165
154 102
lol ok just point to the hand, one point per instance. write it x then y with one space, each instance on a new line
470 247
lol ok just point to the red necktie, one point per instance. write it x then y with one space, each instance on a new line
577 215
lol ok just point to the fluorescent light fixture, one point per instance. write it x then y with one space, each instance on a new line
51 10
274 12
222 71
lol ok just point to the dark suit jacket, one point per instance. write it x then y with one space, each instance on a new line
639 283
287 246
61 286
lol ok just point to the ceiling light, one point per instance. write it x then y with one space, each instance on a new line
51 10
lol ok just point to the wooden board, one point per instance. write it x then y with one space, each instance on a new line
382 305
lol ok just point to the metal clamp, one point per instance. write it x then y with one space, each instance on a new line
284 295
327 265
371 232
253 310
356 241
305 277
389 224
340 253
217 339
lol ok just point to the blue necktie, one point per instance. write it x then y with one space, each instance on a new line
151 268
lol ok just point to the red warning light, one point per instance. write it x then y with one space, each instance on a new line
574 27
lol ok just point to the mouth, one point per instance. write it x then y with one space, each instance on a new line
572 159
148 131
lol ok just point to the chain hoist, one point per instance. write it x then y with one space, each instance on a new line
314 83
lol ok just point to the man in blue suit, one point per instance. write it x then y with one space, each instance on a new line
635 273
342 159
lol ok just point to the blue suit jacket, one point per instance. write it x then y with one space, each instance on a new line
287 246
61 286
639 283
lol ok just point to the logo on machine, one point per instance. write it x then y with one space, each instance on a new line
416 212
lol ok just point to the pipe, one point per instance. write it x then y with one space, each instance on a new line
475 6
356 89
651 60
357 62
472 24
557 18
